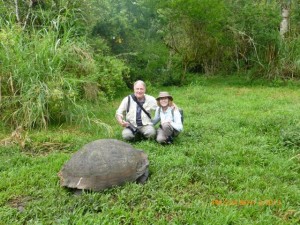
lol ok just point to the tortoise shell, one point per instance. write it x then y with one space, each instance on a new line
103 164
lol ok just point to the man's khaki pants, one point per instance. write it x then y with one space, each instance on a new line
148 131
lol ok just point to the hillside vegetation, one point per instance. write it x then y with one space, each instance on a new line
55 56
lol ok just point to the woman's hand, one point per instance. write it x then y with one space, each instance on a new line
167 122
174 106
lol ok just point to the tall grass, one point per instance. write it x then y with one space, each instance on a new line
43 75
229 166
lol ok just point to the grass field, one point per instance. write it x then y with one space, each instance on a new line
237 162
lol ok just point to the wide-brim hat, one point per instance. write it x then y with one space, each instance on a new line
164 94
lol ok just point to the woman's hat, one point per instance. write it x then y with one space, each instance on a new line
164 94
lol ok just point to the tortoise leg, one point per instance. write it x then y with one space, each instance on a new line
77 192
142 179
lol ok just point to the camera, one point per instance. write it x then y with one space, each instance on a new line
133 129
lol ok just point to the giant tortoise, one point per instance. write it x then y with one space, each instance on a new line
103 164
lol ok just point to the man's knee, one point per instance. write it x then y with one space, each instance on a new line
149 132
127 134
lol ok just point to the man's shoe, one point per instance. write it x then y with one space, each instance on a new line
169 140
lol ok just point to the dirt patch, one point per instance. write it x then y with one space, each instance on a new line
19 202
45 148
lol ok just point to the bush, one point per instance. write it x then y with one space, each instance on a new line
46 76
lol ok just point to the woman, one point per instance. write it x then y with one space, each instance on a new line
170 119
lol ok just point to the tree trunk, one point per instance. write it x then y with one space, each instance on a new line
284 25
17 11
28 13
170 60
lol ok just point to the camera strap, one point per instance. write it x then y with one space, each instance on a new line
139 104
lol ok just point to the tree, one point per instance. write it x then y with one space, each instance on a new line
130 28
194 30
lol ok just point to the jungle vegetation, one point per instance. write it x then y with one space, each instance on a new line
56 54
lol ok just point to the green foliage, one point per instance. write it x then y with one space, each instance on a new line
48 75
195 31
258 40
131 31
62 15
289 65
229 36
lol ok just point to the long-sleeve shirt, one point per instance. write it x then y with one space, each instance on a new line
166 116
149 105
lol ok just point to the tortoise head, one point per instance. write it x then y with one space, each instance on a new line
142 165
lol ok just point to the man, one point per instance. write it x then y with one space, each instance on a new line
137 107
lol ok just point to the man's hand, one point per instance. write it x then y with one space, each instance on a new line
123 123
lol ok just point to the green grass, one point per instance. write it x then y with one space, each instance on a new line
229 166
